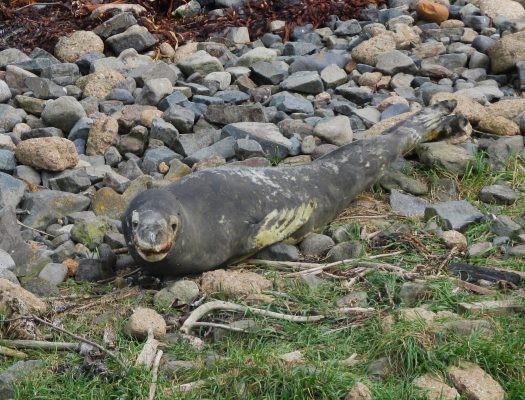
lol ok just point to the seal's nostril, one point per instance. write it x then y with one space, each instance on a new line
152 237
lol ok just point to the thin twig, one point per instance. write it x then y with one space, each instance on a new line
155 374
34 229
146 357
221 326
82 339
201 311
40 345
6 351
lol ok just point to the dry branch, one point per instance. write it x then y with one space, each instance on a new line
6 351
41 345
146 357
80 338
155 374
201 311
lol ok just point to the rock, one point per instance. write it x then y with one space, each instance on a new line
200 62
345 251
267 135
508 9
49 206
7 161
178 293
359 392
11 191
466 107
288 103
304 82
107 202
9 292
44 88
417 314
142 320
54 273
9 117
368 51
432 11
407 205
234 283
380 368
5 92
474 383
478 249
257 54
333 76
498 125
452 158
180 117
412 292
335 130
6 261
393 62
41 288
224 114
63 113
498 194
154 91
517 251
503 225
48 153
189 9
491 307
506 52
465 327
316 244
90 232
71 48
434 388
509 109
454 239
392 180
12 242
279 252
135 37
354 299
292 358
103 133
99 84
117 24
457 215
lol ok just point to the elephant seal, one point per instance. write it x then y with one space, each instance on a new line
219 216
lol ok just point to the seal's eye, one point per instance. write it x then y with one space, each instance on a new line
173 226
134 224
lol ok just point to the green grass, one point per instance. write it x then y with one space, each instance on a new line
247 366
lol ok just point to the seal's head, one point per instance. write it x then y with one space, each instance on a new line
151 225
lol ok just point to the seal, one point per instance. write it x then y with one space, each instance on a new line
216 217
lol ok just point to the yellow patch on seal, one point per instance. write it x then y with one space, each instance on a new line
279 224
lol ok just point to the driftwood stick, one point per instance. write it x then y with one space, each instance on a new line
146 357
355 310
155 374
201 311
6 351
40 345
220 326
311 268
80 338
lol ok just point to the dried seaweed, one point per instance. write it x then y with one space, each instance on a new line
25 25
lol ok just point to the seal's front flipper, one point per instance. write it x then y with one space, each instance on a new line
278 225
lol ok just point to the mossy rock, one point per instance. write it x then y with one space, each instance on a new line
90 232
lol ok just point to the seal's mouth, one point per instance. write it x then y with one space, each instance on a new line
153 254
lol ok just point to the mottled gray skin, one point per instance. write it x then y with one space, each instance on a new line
210 219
